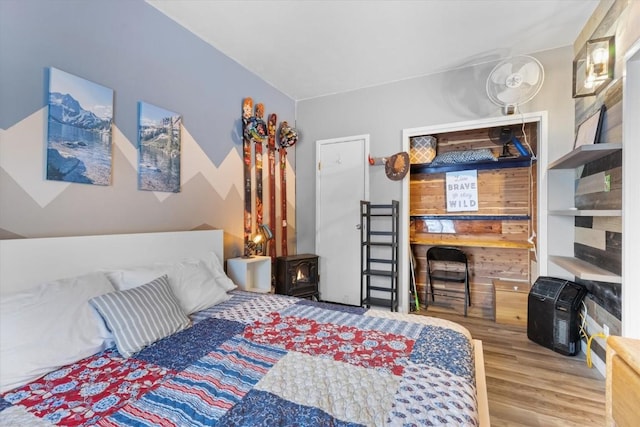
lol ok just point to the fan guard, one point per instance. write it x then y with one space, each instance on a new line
506 136
501 136
515 81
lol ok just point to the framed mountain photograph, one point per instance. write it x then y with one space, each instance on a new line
79 130
158 149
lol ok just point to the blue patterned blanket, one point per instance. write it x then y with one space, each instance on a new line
268 360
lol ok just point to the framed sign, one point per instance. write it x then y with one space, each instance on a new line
462 191
589 131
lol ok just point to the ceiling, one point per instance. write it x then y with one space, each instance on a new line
313 48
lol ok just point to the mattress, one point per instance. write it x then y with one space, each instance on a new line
268 360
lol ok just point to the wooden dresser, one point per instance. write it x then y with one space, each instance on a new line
623 381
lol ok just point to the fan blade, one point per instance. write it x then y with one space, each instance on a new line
530 73
509 96
501 72
505 135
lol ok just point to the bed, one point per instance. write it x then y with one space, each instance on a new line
239 358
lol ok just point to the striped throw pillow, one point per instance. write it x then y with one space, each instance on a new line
141 316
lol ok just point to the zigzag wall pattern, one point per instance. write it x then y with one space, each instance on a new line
142 55
35 207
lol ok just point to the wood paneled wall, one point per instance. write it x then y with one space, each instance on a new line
500 192
598 240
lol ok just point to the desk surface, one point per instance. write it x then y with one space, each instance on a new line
482 243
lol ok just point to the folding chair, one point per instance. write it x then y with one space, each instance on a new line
449 265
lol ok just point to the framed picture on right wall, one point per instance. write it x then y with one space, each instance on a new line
589 131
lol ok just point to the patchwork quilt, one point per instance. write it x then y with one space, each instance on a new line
268 360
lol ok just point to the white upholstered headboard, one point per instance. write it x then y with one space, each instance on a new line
25 263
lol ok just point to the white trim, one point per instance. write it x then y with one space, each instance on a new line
598 363
630 201
542 162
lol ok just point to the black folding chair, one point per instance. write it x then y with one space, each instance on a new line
449 265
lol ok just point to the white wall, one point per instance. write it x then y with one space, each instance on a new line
384 111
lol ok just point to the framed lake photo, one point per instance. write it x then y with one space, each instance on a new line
78 130
158 149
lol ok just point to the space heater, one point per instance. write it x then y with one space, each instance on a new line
553 308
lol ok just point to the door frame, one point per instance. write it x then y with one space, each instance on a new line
322 142
630 202
542 161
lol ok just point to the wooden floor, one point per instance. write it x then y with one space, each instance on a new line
530 385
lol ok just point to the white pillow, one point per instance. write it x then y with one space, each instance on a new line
50 326
214 264
133 277
192 282
141 316
195 286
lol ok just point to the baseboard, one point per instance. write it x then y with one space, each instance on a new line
598 363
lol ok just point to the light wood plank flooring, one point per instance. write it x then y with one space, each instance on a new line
530 385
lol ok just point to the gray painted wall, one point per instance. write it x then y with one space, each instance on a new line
384 111
142 55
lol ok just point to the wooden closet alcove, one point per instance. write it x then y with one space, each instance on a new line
499 238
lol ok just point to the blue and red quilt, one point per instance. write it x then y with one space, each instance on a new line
268 360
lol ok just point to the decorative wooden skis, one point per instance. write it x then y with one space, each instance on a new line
283 200
247 110
259 137
271 150
254 129
288 137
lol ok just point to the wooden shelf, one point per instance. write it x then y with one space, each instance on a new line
472 217
584 270
511 162
473 243
586 212
585 154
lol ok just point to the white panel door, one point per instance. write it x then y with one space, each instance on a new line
342 178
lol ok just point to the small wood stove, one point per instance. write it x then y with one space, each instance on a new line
297 275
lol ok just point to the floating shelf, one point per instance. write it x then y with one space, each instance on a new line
473 243
585 154
512 162
586 212
472 217
583 270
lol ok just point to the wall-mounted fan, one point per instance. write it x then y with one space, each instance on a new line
514 81
504 136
